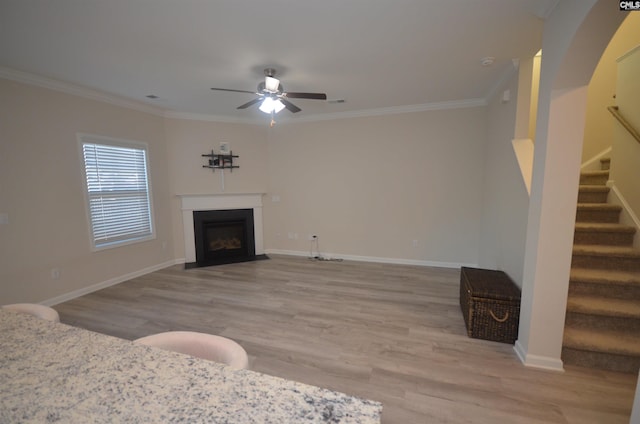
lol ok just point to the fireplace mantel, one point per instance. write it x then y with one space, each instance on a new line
222 201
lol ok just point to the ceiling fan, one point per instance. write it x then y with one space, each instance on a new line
272 97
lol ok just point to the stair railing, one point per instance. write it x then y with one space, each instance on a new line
615 111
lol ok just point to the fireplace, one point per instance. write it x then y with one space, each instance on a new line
224 236
221 202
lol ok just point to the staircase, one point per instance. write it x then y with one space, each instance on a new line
602 326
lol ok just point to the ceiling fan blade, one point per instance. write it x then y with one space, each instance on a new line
290 106
251 103
314 96
234 91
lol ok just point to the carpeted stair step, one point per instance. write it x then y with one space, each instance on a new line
606 257
610 350
606 314
611 234
602 324
593 194
594 177
605 283
598 212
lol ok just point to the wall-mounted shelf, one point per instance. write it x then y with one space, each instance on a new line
220 161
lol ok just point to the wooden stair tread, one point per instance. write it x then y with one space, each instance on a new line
617 342
603 276
604 227
604 306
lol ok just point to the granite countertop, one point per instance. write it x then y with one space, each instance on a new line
51 372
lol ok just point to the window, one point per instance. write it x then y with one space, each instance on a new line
118 195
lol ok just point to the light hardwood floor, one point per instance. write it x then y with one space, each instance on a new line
391 333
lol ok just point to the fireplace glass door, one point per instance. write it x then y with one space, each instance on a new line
224 236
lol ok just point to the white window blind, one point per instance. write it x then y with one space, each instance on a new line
118 193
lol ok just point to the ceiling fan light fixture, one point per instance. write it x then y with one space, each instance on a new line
278 106
272 97
271 84
270 105
267 105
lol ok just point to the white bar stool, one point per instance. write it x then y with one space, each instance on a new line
40 311
201 345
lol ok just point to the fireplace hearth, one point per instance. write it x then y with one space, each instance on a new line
224 236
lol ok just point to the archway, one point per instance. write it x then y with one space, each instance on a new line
574 38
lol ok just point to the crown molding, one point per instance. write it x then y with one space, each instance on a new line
393 110
73 89
76 90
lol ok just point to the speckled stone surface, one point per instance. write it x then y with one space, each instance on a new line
52 372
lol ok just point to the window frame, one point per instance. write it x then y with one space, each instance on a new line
114 142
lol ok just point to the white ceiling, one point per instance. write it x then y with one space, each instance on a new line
377 55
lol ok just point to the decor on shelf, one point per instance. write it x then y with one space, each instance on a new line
220 161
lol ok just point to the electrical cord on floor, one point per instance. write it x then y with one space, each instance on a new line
319 257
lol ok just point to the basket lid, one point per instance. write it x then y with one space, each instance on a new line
491 284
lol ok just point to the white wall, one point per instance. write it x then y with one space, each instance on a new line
600 124
369 187
625 156
41 191
188 140
535 88
505 196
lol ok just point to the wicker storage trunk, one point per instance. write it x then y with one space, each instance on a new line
490 303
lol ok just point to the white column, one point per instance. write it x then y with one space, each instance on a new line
550 231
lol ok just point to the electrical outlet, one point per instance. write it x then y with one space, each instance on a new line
415 243
55 274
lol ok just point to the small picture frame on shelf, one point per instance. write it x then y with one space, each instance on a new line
224 148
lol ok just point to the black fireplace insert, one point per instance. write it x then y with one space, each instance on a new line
224 236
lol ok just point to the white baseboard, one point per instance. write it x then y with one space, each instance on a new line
397 261
593 164
539 362
104 284
628 215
